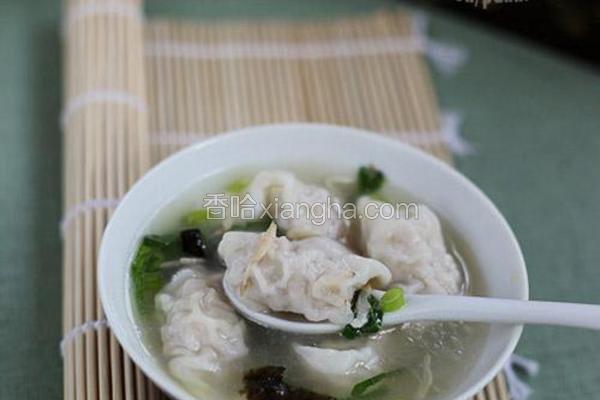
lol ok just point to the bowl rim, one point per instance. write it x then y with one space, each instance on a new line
175 389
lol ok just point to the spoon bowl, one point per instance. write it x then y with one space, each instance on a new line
425 307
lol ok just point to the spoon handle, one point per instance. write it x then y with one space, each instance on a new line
483 309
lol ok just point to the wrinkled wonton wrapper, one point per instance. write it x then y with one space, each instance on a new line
315 277
315 211
202 335
412 248
339 369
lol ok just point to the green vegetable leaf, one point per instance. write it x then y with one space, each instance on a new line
361 388
369 179
350 332
146 274
392 300
373 324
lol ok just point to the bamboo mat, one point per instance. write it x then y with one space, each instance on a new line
364 72
137 91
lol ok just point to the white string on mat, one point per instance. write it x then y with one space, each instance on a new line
518 389
448 58
451 131
335 48
74 13
87 205
449 134
101 96
80 330
187 138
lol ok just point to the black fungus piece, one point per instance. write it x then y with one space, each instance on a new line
267 383
192 242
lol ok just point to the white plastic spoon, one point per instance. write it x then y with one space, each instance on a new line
445 308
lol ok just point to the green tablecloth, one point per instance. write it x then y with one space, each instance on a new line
534 117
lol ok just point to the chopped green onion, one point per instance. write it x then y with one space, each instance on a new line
369 180
196 217
392 300
237 186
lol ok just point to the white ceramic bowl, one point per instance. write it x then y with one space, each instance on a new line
459 202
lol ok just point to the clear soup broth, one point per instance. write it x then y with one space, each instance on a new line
416 361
